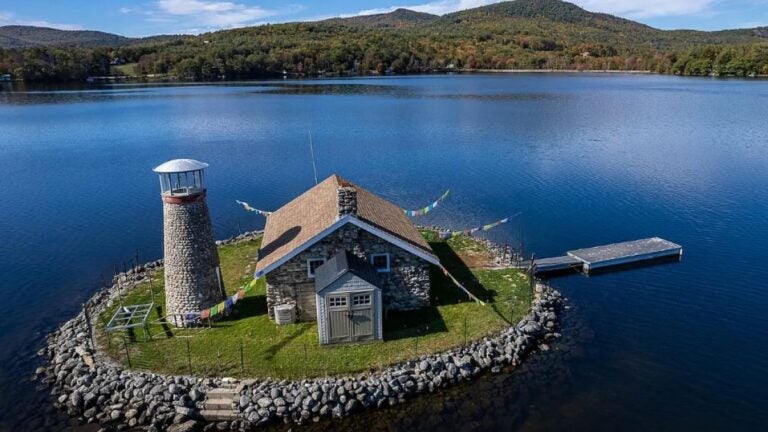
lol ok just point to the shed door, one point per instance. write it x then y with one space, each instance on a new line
339 324
361 306
350 316
306 302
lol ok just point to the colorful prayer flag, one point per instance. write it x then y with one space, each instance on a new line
462 287
251 209
427 209
469 231
225 305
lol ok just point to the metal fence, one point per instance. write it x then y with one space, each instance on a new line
193 355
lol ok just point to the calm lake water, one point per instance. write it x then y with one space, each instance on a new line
587 159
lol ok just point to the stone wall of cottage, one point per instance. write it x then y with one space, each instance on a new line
404 287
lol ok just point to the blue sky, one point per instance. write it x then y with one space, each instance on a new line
148 17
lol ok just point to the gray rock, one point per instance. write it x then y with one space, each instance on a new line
76 399
532 328
244 401
186 426
264 402
351 405
451 369
196 395
188 412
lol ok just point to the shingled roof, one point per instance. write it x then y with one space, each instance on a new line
300 222
339 265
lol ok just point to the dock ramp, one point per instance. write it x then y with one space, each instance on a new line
612 255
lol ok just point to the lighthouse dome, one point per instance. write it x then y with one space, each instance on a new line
180 166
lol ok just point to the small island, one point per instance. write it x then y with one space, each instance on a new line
379 311
293 351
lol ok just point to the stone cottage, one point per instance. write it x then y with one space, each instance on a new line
334 217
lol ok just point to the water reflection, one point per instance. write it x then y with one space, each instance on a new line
588 159
505 401
77 93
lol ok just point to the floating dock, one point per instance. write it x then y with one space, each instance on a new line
612 255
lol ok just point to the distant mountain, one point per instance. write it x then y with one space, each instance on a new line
16 36
553 10
512 35
566 22
399 18
553 20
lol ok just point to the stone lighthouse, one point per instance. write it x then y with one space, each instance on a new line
192 273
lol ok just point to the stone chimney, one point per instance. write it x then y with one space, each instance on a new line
347 200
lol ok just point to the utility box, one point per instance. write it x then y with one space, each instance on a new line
285 314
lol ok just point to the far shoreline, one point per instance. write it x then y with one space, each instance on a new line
565 71
24 86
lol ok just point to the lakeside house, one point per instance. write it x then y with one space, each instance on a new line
342 256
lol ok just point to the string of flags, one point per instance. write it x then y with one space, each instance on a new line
224 306
487 227
424 210
251 209
458 284
228 303
418 212
231 301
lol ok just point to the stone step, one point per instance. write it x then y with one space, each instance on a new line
221 391
218 415
218 404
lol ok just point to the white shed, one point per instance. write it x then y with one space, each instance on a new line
348 300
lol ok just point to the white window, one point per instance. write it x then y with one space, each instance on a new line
312 265
337 301
380 262
361 299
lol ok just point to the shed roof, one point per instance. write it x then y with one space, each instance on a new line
342 263
316 210
180 165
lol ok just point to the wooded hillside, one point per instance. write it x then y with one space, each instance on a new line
521 34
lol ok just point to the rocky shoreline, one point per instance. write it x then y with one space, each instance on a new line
92 388
264 401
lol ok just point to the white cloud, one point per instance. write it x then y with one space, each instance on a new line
218 14
9 18
626 8
646 8
439 7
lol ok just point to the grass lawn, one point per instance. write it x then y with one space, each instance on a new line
128 69
293 351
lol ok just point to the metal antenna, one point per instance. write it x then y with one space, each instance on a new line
312 152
